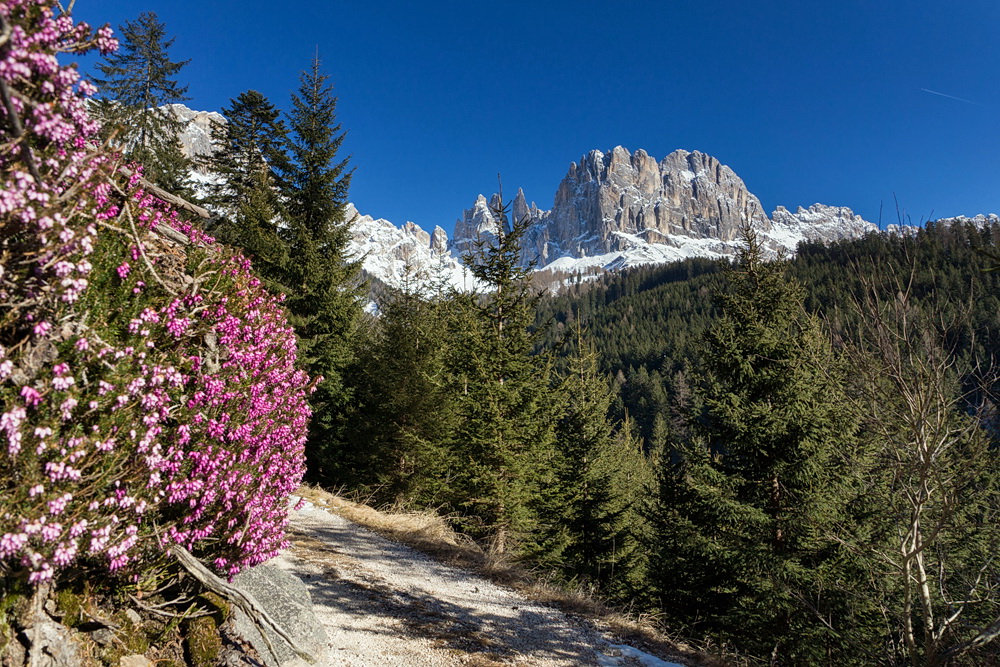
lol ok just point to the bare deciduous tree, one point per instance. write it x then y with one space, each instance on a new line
932 479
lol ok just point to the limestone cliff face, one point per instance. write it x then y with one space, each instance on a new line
607 198
640 210
405 256
196 134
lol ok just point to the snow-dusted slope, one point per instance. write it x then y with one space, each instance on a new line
612 211
404 256
619 209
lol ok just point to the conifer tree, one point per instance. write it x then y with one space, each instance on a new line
397 445
138 80
325 293
505 410
603 479
746 503
249 158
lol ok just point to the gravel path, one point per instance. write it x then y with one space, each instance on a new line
384 604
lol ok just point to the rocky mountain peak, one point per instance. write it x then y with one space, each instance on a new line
611 210
196 136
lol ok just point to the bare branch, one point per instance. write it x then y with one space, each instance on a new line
242 600
170 198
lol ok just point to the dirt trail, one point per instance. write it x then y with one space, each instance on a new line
384 604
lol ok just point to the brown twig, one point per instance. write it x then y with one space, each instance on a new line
168 197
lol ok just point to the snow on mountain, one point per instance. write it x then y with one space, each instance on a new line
404 256
612 211
620 209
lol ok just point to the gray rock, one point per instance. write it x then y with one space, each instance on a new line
133 616
51 644
196 132
103 636
622 201
14 654
135 660
439 241
286 599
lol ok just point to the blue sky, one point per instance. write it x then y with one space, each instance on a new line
808 101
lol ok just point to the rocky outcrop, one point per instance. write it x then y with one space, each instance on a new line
475 223
286 599
439 241
611 211
619 209
976 221
196 136
817 223
608 198
402 256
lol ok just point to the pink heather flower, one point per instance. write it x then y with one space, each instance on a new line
220 448
66 408
57 506
63 383
30 396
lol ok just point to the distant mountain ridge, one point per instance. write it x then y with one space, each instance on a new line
620 209
611 211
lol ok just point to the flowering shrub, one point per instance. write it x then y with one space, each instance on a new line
148 388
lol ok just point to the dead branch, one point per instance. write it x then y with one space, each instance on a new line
244 601
5 31
13 119
142 253
170 198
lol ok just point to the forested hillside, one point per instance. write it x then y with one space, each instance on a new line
648 323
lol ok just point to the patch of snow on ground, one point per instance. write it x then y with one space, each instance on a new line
625 651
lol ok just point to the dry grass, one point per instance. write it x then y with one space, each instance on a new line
430 534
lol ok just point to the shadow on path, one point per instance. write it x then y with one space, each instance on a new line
524 629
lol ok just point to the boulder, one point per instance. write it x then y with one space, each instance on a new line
285 599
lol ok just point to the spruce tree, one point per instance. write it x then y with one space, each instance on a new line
602 481
138 80
505 409
747 502
249 158
325 293
398 441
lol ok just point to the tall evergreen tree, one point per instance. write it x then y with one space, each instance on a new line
603 479
249 158
325 293
138 80
505 409
747 503
398 442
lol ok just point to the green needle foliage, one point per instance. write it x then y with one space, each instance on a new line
138 80
324 297
249 158
505 409
397 448
603 480
747 502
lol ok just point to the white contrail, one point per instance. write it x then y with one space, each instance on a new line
950 97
